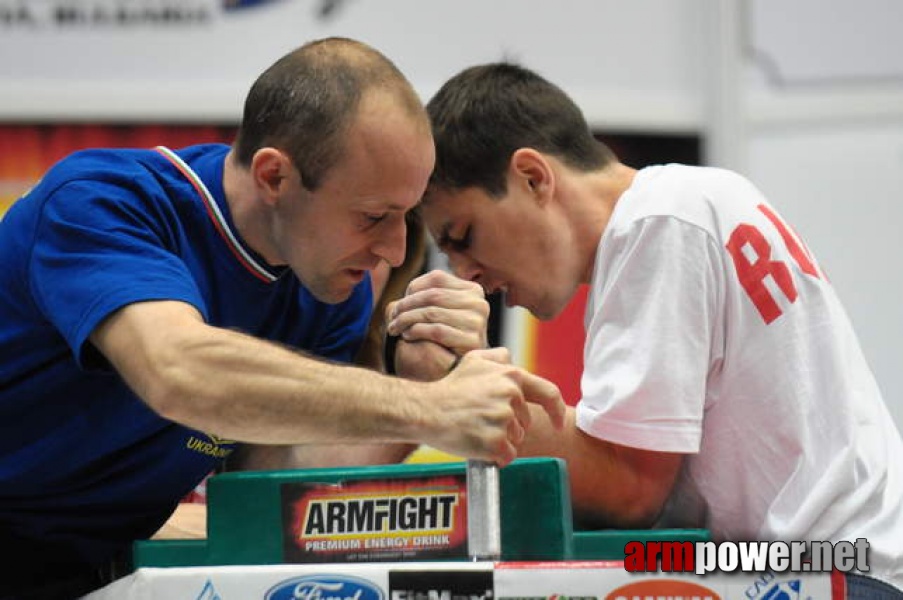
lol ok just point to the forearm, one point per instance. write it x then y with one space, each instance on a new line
611 485
238 387
285 397
245 389
251 457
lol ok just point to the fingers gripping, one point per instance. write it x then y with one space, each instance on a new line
546 394
438 278
441 308
503 392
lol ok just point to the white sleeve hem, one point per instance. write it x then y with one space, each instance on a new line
661 437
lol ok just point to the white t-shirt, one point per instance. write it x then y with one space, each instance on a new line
711 331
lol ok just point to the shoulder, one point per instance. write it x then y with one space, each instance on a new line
102 163
132 168
111 179
93 175
697 196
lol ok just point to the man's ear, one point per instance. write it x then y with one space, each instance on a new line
531 170
270 168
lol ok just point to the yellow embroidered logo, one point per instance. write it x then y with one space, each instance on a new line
213 447
218 440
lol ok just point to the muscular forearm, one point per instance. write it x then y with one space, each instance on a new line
611 485
238 387
242 388
285 397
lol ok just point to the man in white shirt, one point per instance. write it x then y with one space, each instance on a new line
723 386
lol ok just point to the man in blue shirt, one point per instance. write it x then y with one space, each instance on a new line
153 304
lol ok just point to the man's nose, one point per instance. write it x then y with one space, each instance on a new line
392 242
464 266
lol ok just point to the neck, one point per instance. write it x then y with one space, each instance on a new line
247 213
593 199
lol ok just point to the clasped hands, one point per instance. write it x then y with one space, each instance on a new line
442 322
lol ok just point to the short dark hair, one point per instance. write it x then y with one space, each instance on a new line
306 100
482 115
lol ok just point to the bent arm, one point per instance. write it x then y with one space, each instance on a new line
241 388
611 485
246 389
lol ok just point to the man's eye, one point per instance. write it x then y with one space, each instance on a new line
374 218
460 244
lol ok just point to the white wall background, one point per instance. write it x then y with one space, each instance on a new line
804 96
632 64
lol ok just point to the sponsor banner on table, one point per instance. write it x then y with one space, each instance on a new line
422 518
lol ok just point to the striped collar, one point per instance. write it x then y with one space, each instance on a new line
243 256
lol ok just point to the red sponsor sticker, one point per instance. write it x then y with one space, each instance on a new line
657 588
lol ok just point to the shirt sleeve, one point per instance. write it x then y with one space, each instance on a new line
98 247
650 322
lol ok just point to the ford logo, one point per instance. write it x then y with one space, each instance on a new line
324 587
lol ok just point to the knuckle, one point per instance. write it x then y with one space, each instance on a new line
421 282
434 333
403 322
433 277
422 330
484 310
430 296
437 296
432 314
476 288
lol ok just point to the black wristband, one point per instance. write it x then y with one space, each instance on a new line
389 346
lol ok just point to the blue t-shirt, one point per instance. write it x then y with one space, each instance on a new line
83 461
